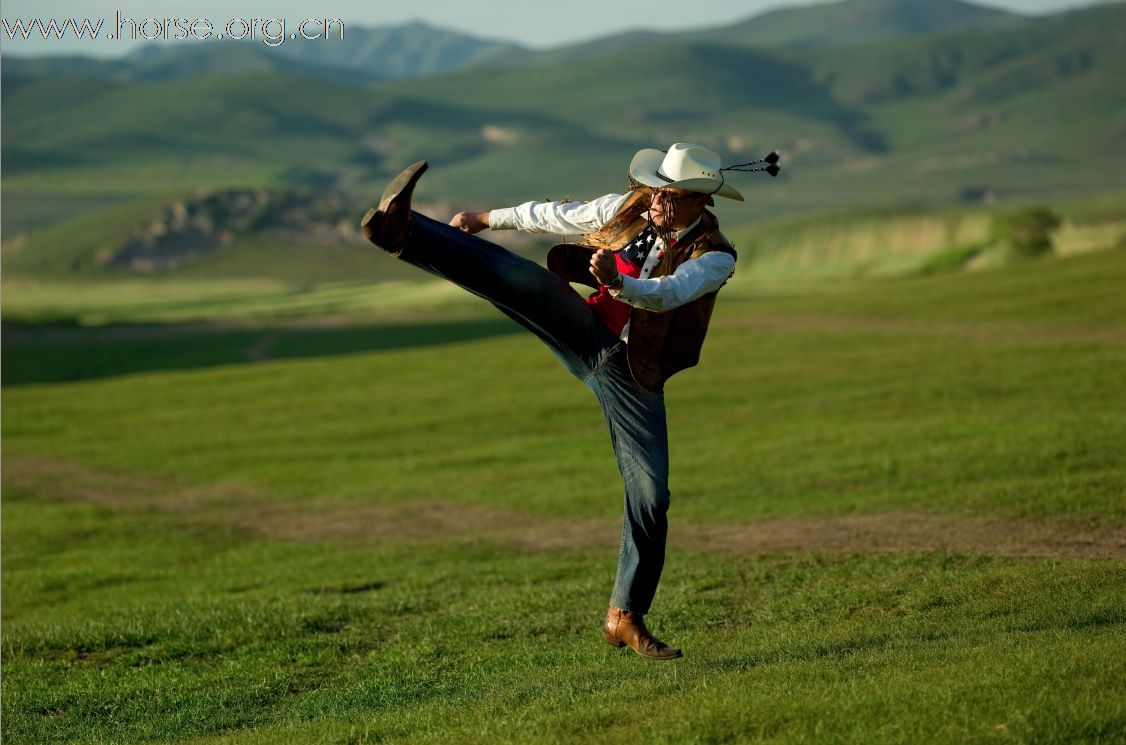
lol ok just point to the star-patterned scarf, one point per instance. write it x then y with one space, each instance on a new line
637 249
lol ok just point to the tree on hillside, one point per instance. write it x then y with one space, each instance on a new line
1028 232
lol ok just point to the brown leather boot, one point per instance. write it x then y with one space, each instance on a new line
388 225
623 627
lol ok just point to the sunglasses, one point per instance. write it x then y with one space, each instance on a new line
667 196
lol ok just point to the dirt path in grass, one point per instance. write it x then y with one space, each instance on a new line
250 511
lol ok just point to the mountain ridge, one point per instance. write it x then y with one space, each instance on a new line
368 53
418 49
856 21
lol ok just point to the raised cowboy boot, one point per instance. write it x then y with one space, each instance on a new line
623 627
388 225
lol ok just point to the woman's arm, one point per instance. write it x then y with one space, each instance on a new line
562 218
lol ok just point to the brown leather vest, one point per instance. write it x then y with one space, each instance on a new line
660 344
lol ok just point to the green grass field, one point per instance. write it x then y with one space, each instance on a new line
898 516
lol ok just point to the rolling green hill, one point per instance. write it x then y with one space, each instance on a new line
930 120
685 85
942 119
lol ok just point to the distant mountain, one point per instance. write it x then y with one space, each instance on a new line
232 59
598 47
419 50
856 21
405 51
986 67
157 64
839 23
365 55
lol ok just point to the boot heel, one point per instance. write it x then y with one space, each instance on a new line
609 639
370 224
388 225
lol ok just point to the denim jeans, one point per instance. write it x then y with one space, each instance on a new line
549 307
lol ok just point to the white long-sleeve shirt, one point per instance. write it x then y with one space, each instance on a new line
691 280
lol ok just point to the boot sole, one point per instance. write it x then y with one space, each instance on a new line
403 183
619 644
407 179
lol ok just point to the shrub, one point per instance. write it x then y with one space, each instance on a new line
951 259
1027 232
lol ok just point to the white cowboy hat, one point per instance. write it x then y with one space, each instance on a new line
684 166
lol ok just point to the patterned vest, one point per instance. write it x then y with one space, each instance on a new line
660 344
630 260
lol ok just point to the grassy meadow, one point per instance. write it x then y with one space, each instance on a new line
246 512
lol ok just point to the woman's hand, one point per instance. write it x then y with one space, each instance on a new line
604 267
470 222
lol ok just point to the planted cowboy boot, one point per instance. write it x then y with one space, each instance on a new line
623 628
388 225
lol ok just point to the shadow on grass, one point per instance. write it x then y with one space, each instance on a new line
67 351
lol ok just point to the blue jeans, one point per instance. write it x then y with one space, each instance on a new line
549 307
